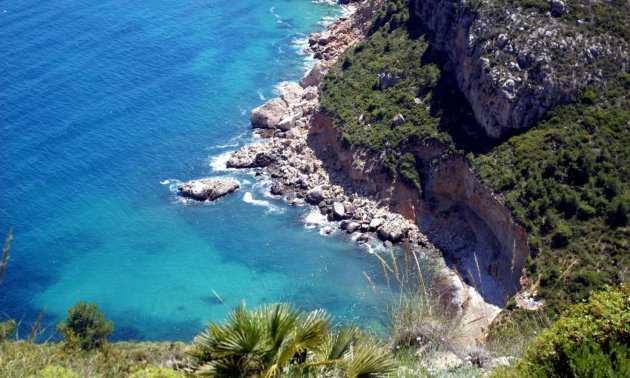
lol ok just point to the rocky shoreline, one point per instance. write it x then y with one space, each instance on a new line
296 171
300 177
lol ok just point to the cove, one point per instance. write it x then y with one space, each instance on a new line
106 106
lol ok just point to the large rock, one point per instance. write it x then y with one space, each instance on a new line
287 122
393 231
352 227
376 223
263 159
315 76
315 196
250 157
291 93
339 212
269 114
208 189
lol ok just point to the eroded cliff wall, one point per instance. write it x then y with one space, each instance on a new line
514 63
464 219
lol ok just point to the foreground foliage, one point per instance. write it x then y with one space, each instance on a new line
590 339
25 359
86 327
278 339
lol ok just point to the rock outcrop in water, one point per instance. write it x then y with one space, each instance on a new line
208 189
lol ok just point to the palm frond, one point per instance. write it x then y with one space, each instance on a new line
337 344
367 358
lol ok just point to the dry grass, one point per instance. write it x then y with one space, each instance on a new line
24 359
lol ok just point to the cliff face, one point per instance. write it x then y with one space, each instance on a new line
463 218
514 63
474 228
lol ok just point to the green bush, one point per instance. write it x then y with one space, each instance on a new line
569 187
590 339
22 359
266 341
55 371
7 329
85 327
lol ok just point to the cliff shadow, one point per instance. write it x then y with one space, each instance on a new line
450 106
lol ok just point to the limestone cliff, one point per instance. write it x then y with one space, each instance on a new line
514 62
469 224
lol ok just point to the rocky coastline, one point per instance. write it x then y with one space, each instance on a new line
297 172
301 177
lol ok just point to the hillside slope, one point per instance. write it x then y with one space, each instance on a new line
535 98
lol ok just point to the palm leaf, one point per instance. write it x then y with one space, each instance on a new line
310 331
336 344
367 358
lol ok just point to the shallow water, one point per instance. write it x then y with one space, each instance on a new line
104 106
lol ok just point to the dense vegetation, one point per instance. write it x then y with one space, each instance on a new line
591 339
381 78
566 179
590 17
53 360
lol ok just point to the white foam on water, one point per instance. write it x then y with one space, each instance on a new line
172 184
263 186
249 198
261 96
315 219
280 88
325 21
218 163
326 2
233 142
301 45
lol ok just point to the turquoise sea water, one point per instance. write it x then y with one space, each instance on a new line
104 106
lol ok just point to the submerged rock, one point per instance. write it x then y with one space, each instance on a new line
208 189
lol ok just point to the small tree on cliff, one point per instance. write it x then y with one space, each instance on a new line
86 327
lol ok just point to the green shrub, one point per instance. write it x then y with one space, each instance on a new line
590 339
618 212
85 327
7 329
55 371
562 235
21 359
408 171
268 340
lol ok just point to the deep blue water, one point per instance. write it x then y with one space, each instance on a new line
104 105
